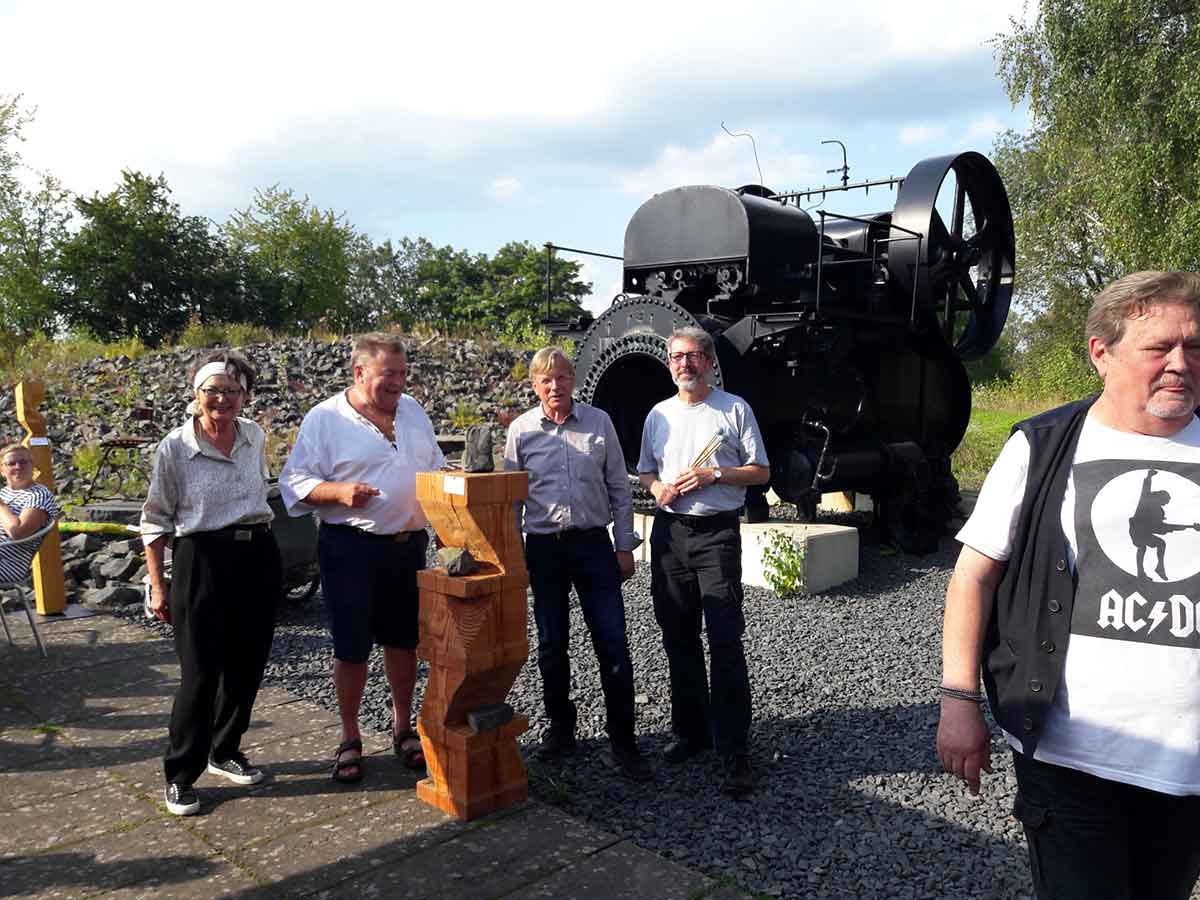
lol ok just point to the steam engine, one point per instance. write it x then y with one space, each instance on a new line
846 334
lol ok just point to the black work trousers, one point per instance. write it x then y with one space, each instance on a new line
223 598
696 579
1094 839
584 559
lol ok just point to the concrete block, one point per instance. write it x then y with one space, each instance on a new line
830 553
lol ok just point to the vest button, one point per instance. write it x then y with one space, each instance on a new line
1054 606
1061 565
1035 685
1027 724
1048 646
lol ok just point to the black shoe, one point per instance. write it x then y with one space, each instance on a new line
237 769
557 743
681 750
182 800
628 760
738 780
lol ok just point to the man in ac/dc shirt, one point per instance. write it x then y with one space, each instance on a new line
1077 595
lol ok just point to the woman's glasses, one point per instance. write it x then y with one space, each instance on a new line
223 393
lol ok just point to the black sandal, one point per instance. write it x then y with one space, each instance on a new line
412 757
341 765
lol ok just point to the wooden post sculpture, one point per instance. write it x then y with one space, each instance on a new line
473 638
48 586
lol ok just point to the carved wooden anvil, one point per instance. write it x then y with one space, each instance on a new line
473 638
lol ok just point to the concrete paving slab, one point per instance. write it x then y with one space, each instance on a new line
308 860
81 646
271 724
43 774
158 854
219 879
297 794
68 820
503 855
110 687
14 713
623 871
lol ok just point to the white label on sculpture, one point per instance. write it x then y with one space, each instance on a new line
455 484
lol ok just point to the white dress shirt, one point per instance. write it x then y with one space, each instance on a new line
337 443
195 487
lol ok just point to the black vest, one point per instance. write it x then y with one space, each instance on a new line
1025 646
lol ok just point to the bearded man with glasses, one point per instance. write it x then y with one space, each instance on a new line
700 448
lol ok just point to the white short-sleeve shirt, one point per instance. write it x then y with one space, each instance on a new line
336 443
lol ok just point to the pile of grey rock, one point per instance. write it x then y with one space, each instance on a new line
101 572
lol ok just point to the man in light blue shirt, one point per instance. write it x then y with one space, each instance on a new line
700 448
577 486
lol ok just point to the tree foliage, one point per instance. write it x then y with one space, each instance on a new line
1113 161
301 260
33 224
139 268
1107 180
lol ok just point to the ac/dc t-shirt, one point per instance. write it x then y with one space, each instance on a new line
1128 708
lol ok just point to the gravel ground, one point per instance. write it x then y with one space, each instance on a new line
850 800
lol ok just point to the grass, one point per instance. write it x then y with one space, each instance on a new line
993 414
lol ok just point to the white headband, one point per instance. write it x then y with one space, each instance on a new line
208 370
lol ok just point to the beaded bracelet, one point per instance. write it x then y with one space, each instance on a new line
960 694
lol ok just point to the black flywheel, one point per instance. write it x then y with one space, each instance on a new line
963 265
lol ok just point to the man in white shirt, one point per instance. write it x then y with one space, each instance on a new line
1076 596
355 462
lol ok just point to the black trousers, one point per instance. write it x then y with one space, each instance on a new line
223 597
696 578
586 560
1094 839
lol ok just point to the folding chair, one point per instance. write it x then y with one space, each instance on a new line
20 586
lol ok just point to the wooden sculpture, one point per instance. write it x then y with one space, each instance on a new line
473 638
48 587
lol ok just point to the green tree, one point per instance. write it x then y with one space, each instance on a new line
137 267
1114 90
1107 180
518 280
33 225
302 261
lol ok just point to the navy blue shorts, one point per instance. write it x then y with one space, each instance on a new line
369 583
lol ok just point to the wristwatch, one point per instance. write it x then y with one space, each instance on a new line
717 474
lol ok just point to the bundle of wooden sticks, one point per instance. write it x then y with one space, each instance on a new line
708 450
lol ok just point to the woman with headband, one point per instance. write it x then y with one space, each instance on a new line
209 494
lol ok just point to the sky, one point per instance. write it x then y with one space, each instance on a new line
475 124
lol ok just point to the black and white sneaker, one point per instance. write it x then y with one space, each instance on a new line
182 800
237 769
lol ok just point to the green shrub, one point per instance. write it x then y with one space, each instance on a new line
783 564
519 371
464 416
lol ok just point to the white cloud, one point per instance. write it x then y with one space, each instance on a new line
921 134
726 161
983 131
504 188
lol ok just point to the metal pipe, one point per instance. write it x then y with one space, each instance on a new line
796 195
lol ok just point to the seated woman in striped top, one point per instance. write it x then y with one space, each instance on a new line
25 506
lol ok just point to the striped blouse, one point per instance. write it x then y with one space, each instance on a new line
16 559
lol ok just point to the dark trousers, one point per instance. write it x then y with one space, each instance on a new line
586 560
696 577
223 597
1102 840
